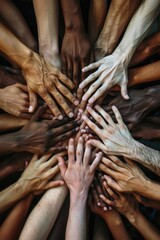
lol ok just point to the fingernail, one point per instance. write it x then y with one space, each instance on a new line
60 117
70 115
91 100
30 109
88 107
77 128
80 111
81 85
84 98
76 102
98 204
105 209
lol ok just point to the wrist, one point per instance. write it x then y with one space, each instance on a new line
78 198
132 217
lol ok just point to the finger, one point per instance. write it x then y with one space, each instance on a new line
87 155
23 87
107 201
34 158
100 192
32 100
76 72
107 170
91 66
54 123
44 158
111 193
47 116
113 184
62 166
25 115
64 136
62 129
124 92
69 69
91 90
38 113
66 93
71 152
54 159
84 63
96 162
117 115
55 150
95 195
117 161
89 79
79 151
65 80
97 117
53 184
92 126
98 94
53 107
105 115
64 65
110 164
61 101
97 144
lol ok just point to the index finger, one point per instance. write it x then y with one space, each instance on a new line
38 113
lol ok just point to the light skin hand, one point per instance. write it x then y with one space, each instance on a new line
79 174
115 136
14 100
129 177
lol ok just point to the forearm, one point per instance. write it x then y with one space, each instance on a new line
9 122
137 29
14 222
17 51
146 229
76 225
8 143
72 14
144 74
43 216
12 194
146 156
47 15
117 228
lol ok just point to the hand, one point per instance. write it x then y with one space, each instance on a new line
52 57
76 54
126 204
39 173
141 103
115 136
111 71
79 174
128 176
44 79
14 100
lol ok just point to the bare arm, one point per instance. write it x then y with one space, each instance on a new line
47 15
117 19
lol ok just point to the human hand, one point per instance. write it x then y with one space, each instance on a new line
115 136
45 80
79 174
140 104
111 71
39 173
127 177
124 203
14 100
76 53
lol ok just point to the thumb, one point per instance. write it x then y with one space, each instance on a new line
23 87
32 100
124 91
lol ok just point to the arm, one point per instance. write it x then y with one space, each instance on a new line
47 15
117 139
9 122
13 224
117 19
78 177
112 70
76 48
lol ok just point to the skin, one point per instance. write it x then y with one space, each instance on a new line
147 48
37 177
76 50
122 12
78 176
112 219
10 122
14 20
47 15
17 107
117 139
128 206
13 224
41 77
141 104
112 69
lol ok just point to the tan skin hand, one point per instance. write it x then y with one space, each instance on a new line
47 81
76 54
39 173
14 100
129 176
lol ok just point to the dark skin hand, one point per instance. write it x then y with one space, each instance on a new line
148 129
146 49
140 104
76 48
